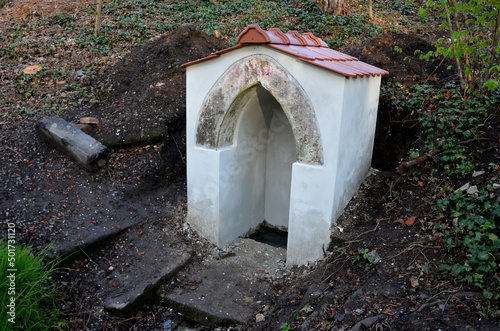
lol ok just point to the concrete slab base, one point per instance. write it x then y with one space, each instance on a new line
226 289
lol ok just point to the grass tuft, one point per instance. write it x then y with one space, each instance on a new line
36 295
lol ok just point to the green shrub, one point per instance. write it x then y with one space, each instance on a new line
450 122
473 40
36 297
473 236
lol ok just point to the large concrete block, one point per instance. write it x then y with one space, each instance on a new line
69 139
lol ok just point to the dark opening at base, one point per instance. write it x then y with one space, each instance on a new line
270 236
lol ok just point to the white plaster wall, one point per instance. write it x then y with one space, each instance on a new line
203 187
310 210
202 170
358 124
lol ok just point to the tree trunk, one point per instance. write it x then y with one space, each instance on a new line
335 7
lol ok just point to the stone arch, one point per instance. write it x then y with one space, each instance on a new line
221 109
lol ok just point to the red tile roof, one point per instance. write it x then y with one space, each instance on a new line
306 47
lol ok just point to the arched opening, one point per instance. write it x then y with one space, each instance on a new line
260 169
221 109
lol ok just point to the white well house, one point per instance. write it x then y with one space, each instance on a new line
280 128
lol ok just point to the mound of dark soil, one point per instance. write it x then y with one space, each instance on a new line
405 65
143 95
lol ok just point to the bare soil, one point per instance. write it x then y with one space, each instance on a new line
143 190
21 9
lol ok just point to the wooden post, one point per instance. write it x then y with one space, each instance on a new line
98 18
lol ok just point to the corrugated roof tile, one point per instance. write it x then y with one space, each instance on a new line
306 47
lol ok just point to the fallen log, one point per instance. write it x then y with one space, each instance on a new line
69 139
405 165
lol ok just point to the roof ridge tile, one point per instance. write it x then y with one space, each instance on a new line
317 41
281 35
306 47
296 38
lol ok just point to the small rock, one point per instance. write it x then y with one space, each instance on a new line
340 317
374 254
367 323
463 188
423 296
477 173
259 318
496 186
472 190
359 311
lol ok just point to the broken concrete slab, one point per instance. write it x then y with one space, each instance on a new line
131 290
86 240
227 289
68 138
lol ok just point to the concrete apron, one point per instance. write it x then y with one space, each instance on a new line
227 289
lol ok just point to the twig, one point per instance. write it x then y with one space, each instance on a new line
409 248
333 273
444 306
362 234
405 165
110 176
17 153
178 149
387 313
456 295
80 247
428 77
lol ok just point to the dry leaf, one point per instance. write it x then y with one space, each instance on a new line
411 220
31 70
414 282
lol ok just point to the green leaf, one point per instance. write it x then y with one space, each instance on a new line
487 294
492 237
491 84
